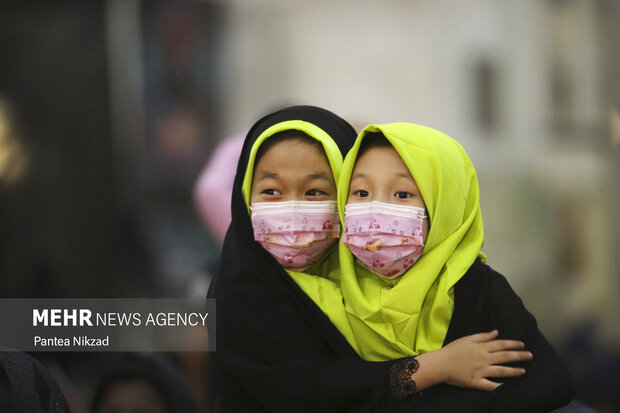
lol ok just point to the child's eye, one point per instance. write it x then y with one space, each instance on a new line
362 193
315 192
402 195
273 192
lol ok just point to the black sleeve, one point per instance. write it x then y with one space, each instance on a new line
273 357
484 301
547 383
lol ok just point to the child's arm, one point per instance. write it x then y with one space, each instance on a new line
470 361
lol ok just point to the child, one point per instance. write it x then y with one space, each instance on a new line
415 282
277 350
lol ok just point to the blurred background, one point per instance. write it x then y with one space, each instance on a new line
110 110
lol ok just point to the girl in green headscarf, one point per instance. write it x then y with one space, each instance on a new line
413 277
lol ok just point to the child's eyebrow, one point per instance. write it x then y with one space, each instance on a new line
267 175
403 175
358 175
319 175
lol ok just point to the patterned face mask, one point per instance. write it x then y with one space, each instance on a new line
387 238
296 233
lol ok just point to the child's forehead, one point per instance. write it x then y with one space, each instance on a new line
292 146
291 141
381 160
379 153
299 153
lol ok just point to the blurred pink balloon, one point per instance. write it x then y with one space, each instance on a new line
213 189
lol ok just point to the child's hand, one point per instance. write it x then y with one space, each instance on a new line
471 360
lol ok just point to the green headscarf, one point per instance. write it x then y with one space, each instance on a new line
410 315
320 282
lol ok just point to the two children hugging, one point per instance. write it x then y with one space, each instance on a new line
402 311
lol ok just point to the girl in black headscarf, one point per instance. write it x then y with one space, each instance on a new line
284 342
276 349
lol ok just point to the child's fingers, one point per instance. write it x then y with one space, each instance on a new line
483 337
503 345
502 357
503 371
487 385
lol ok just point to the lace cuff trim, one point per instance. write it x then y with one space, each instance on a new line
401 383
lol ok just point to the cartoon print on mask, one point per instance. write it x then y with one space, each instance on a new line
304 230
384 247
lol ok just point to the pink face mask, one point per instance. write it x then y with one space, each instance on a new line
296 233
387 238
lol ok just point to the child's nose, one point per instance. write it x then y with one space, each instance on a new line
296 196
382 196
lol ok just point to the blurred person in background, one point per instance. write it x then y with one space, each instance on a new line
140 383
27 387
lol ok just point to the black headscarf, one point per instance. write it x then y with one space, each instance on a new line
276 350
240 236
27 386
